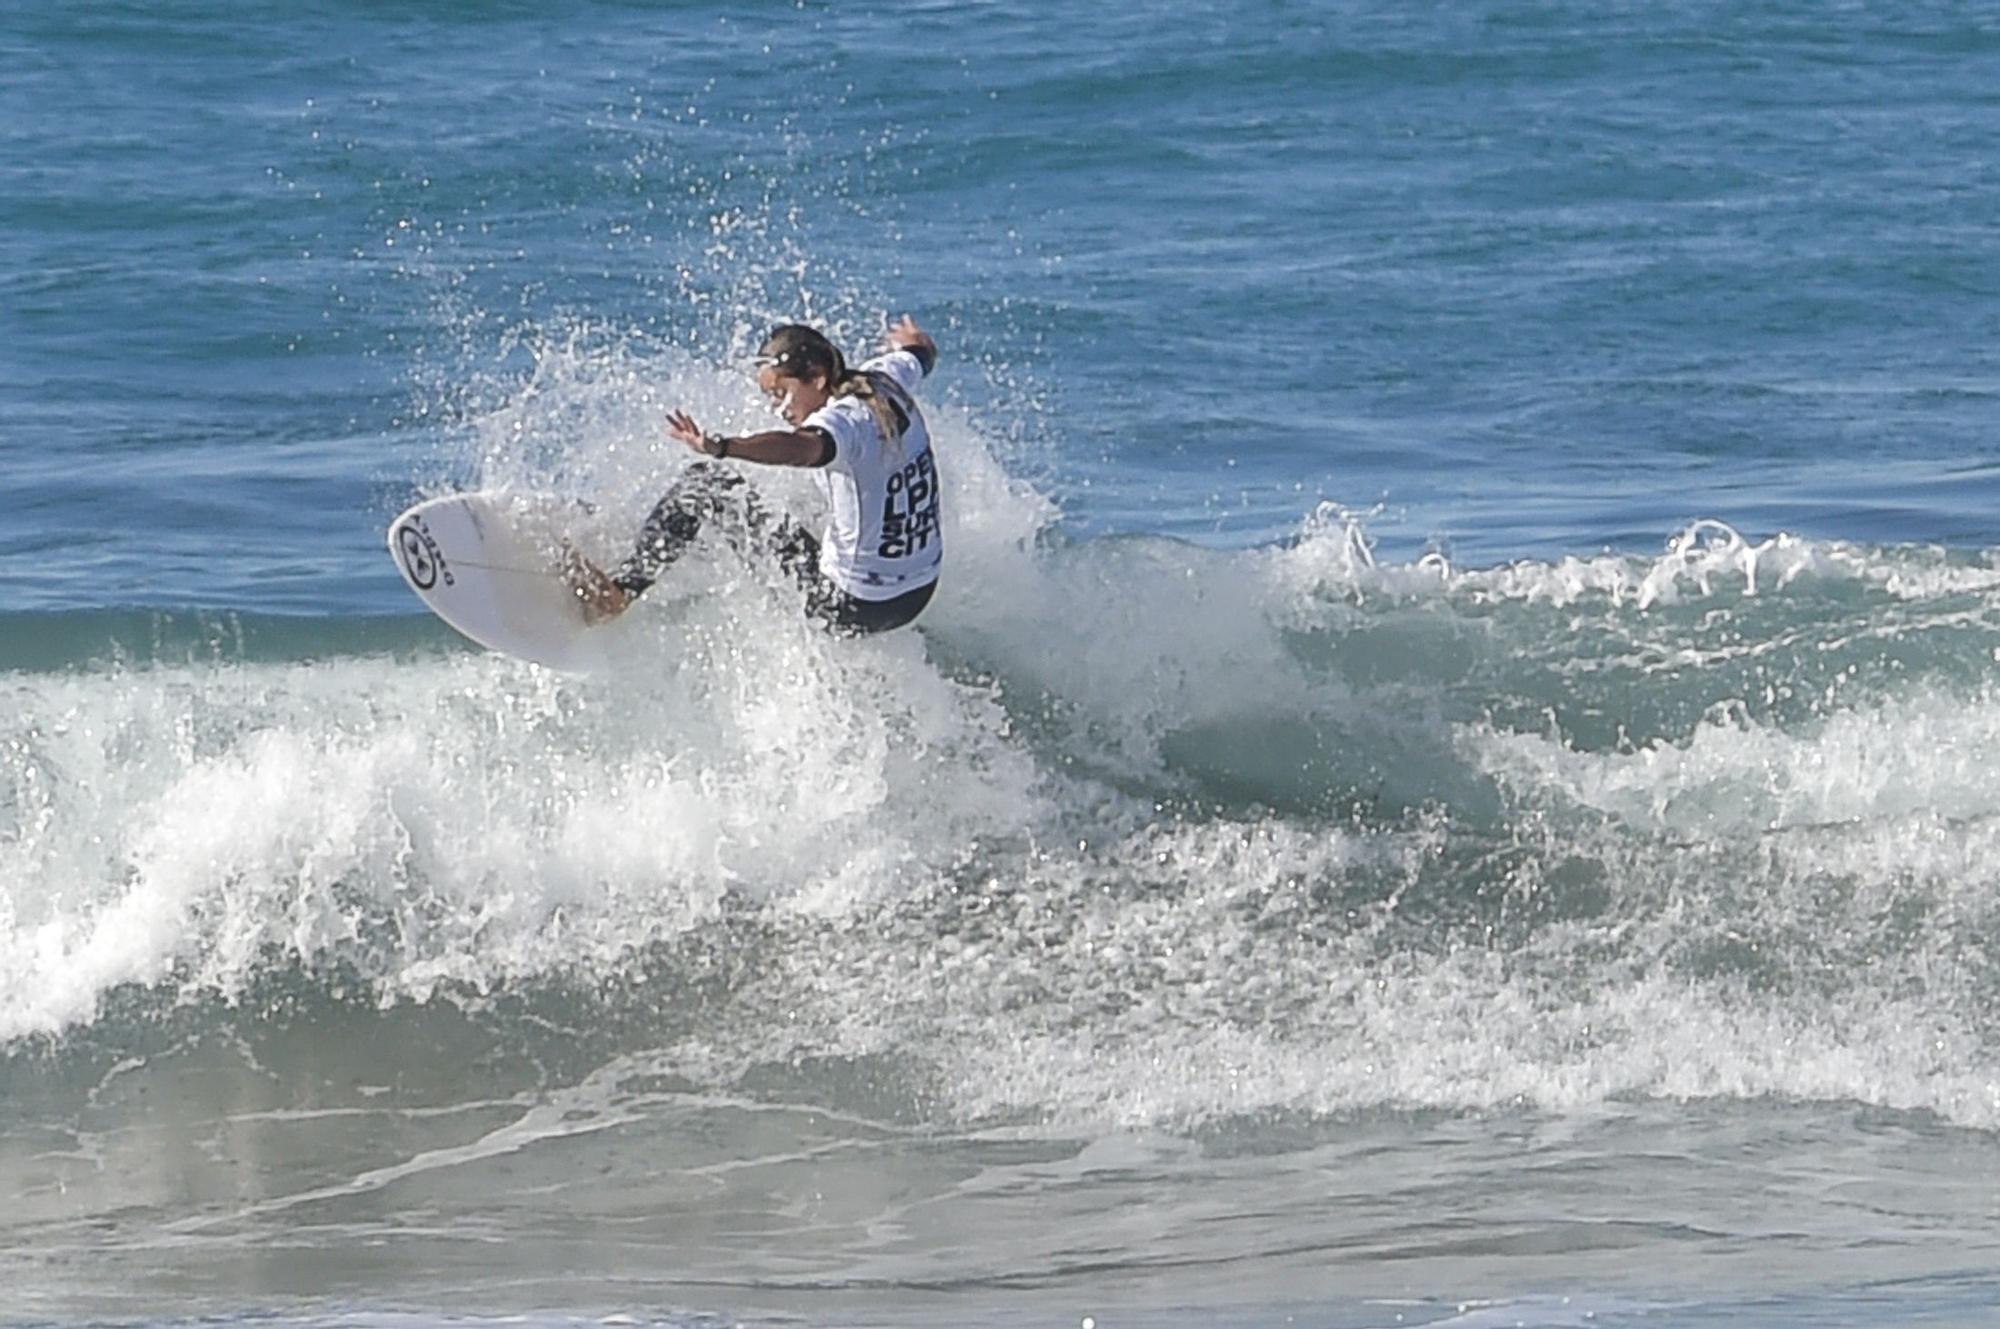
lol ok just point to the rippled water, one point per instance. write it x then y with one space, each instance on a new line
1448 782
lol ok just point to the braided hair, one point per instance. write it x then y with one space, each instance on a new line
803 352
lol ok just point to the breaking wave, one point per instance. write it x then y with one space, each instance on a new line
1130 831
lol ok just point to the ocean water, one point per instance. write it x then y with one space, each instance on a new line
1451 779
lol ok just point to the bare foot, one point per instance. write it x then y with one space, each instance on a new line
602 598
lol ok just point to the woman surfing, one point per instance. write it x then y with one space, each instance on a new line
876 564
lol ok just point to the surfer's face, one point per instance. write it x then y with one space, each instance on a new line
793 398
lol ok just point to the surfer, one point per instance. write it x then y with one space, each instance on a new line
859 429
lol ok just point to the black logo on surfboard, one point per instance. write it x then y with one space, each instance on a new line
421 560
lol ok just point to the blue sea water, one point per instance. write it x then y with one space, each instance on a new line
1450 780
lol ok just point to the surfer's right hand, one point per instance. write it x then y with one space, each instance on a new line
682 428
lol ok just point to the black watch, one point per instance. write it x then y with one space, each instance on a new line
716 445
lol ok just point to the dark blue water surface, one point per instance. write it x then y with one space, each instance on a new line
1540 278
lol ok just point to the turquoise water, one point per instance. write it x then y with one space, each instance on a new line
1449 781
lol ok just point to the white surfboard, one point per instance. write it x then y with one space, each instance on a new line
488 563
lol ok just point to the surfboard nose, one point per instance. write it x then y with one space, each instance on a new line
488 563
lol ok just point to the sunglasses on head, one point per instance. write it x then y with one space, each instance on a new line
798 361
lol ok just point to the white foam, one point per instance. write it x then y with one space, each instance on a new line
1709 560
494 819
1926 753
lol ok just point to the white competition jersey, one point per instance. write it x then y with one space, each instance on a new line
882 539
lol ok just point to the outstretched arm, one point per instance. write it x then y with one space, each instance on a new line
773 447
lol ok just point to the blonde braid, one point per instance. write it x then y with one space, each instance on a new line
853 383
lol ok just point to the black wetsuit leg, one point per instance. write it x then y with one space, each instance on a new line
705 492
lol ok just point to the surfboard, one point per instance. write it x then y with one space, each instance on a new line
489 564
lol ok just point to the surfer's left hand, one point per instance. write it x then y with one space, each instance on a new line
905 335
